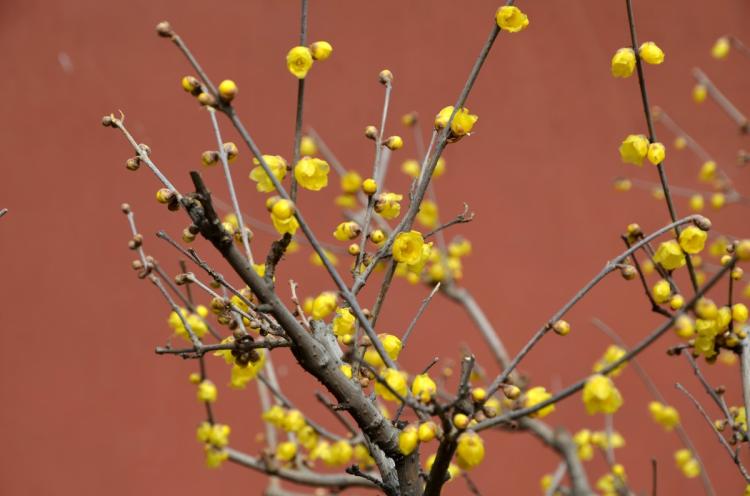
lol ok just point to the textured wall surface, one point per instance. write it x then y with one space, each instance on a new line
89 409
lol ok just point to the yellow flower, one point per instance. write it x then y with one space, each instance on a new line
428 214
656 153
427 431
312 173
661 291
511 19
612 354
286 451
350 182
408 439
242 374
307 146
274 415
397 382
346 369
739 313
347 231
651 53
423 388
669 255
362 455
278 168
394 143
320 50
307 437
411 168
343 323
283 223
687 463
207 391
664 415
293 421
684 327
535 396
692 240
680 142
459 248
323 305
634 149
708 171
407 247
214 457
299 60
720 50
699 93
392 346
601 395
318 262
696 202
470 450
623 63
462 123
227 90
388 206
718 200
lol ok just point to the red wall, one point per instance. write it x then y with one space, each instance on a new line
88 408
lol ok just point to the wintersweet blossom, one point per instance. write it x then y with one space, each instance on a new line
535 396
407 247
601 395
423 388
721 47
312 173
462 124
651 53
408 439
664 415
388 206
669 255
656 153
634 149
321 50
470 450
299 60
623 63
396 381
392 346
692 240
276 163
510 18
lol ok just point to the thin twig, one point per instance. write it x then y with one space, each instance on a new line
721 100
419 313
300 105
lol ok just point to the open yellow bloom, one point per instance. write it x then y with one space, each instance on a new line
408 439
242 374
687 463
656 153
601 395
299 60
312 173
282 222
470 450
692 240
535 396
612 354
278 167
388 206
720 50
323 305
423 387
651 53
407 247
462 124
623 63
396 379
392 345
669 255
511 19
343 323
634 149
664 415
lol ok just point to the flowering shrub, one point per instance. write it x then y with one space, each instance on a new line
435 431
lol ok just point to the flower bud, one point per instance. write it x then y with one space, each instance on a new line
321 50
206 99
165 196
628 272
369 186
371 132
511 392
394 143
385 77
133 163
231 150
561 327
702 223
227 90
209 158
164 29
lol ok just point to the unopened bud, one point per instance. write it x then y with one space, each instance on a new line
125 207
371 132
164 29
702 223
628 272
133 163
385 77
136 242
511 392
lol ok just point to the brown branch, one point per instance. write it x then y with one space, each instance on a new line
721 100
461 218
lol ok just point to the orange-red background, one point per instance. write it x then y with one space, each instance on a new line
88 408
